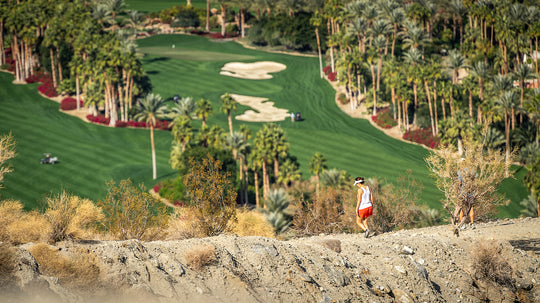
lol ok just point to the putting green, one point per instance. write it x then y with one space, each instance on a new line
188 54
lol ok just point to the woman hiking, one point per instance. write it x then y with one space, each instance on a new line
364 206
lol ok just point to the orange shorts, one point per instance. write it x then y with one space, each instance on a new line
365 212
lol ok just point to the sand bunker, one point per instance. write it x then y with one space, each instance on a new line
266 111
252 71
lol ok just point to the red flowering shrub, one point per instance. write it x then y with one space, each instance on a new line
332 76
48 89
198 32
156 188
327 69
98 119
120 124
384 119
422 136
70 103
41 77
216 36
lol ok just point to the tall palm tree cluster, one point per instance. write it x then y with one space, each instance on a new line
453 66
78 42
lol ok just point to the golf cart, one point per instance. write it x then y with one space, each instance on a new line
48 159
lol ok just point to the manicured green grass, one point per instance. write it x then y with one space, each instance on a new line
349 144
147 6
89 154
92 154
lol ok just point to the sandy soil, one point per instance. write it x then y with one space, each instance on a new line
253 71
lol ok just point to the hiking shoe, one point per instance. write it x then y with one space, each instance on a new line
366 233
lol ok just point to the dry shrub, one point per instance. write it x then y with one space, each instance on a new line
395 206
71 217
470 180
7 263
79 270
490 264
330 212
252 223
21 227
7 151
199 256
181 226
133 213
212 195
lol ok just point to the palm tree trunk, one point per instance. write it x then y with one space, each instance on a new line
276 167
415 93
393 97
60 76
223 20
319 50
207 15
77 89
265 177
230 122
430 107
373 80
507 137
53 68
242 21
154 168
435 107
470 103
256 181
2 50
246 182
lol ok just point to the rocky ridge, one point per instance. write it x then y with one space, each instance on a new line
419 265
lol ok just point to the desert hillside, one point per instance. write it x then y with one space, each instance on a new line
419 265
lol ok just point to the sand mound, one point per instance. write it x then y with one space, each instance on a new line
252 71
264 111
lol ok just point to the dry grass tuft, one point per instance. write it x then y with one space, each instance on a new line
79 270
7 263
252 223
200 256
490 264
71 216
21 227
181 226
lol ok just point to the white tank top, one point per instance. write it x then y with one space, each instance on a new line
366 198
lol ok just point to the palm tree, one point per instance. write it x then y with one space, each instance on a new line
115 7
456 128
182 131
317 165
278 143
333 178
203 110
507 101
203 136
263 154
276 205
413 58
456 61
185 107
150 109
238 145
289 172
223 6
316 21
228 104
481 71
522 73
216 137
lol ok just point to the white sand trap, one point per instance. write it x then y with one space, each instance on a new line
266 111
252 71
